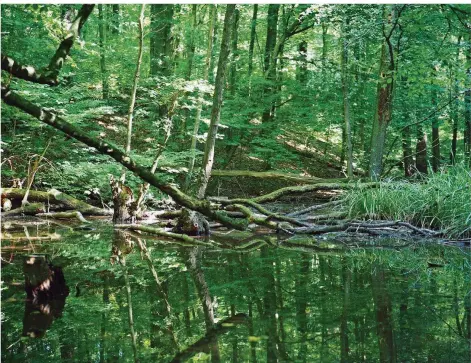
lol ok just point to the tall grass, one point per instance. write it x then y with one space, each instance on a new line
442 201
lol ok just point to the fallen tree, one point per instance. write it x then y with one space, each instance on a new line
274 175
56 198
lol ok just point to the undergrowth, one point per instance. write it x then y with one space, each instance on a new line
442 202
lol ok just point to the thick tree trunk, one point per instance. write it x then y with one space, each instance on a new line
208 158
123 202
270 60
161 16
384 101
104 75
253 34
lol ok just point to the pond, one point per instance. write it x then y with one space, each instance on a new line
121 298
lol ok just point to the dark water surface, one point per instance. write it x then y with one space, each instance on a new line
120 303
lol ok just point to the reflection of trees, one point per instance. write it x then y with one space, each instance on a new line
122 245
160 307
384 319
46 291
194 265
346 277
301 305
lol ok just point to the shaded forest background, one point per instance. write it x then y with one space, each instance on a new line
324 91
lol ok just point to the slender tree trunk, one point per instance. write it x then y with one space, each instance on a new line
253 29
213 59
346 102
421 163
160 39
455 104
199 106
115 28
134 87
435 130
272 26
208 158
192 44
384 100
104 75
467 105
233 67
407 158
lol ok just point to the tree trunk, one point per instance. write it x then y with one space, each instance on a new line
199 106
233 67
104 75
272 25
253 29
161 40
134 87
123 202
435 130
208 158
384 100
115 24
407 158
13 99
421 163
454 104
467 105
192 44
346 101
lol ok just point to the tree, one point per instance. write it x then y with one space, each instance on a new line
161 51
385 90
104 75
208 158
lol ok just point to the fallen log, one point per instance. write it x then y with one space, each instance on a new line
332 203
55 197
363 227
277 194
274 175
27 209
60 215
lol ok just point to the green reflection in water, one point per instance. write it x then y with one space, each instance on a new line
265 305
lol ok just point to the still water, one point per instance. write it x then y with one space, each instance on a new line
117 298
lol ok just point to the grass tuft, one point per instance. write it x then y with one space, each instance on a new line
442 202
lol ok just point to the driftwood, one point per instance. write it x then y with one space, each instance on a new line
56 198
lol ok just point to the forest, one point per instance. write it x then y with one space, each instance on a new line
233 158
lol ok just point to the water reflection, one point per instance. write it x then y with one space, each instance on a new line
145 300
46 292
